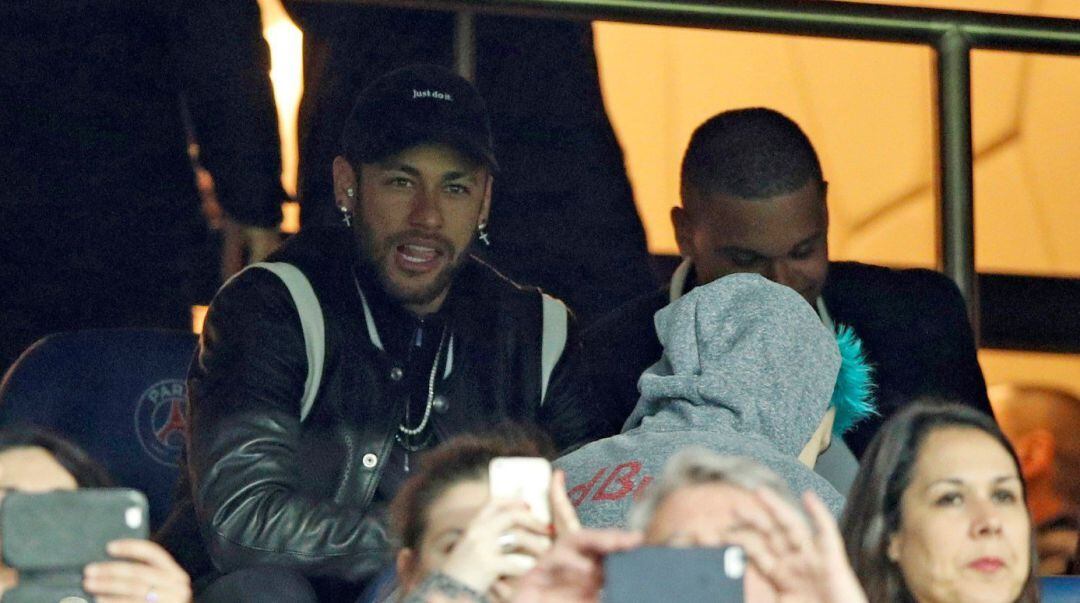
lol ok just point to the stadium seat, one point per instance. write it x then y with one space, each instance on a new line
1060 589
384 587
119 394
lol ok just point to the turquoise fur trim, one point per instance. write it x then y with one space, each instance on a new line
853 396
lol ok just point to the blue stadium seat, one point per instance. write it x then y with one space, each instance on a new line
119 394
1060 589
382 588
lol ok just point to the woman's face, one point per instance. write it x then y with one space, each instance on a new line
447 519
33 469
965 532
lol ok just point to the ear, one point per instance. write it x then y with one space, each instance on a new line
684 231
1036 450
827 425
819 441
895 545
344 180
406 564
485 207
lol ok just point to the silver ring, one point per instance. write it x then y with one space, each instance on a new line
152 596
507 542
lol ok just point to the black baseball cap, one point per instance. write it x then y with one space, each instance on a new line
416 105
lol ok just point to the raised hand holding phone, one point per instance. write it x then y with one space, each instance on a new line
141 571
572 571
86 544
514 528
482 555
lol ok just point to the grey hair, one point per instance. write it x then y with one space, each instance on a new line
697 465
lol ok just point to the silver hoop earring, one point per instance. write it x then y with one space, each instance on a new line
484 236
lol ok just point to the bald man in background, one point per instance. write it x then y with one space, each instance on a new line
1043 425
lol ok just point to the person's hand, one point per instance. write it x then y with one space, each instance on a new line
572 571
564 521
564 518
502 541
141 572
502 590
257 242
802 565
9 578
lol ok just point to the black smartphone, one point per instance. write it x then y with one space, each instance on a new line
687 575
49 537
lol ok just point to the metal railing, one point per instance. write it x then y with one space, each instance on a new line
951 34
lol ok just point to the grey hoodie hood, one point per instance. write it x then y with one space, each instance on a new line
741 354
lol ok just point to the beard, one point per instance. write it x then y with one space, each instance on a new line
377 255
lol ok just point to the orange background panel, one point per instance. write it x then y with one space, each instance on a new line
869 109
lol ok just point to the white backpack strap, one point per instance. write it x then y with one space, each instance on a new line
312 323
554 339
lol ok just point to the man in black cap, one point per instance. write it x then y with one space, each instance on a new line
323 372
563 216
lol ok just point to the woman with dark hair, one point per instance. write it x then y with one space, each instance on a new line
34 460
85 472
936 513
455 538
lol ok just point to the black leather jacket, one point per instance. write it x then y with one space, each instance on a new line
270 489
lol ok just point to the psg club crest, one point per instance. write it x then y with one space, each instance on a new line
159 420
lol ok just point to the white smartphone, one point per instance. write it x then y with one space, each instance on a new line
526 478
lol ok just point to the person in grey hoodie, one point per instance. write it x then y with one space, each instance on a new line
748 370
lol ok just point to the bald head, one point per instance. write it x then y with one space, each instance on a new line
1027 412
1022 408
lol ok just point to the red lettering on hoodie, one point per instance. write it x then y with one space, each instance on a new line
626 482
580 492
644 483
